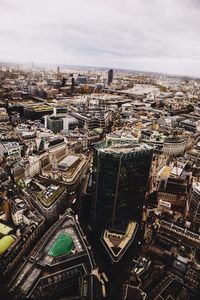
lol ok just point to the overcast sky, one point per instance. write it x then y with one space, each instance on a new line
152 35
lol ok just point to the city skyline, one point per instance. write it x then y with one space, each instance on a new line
99 184
161 36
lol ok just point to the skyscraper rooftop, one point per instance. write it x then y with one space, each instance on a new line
120 147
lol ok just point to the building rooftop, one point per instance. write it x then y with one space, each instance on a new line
121 147
4 229
185 235
196 187
116 243
121 135
63 249
49 196
5 243
175 140
62 246
133 293
176 171
10 145
39 107
164 172
173 186
172 289
67 162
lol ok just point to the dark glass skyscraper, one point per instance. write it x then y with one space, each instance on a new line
110 76
120 176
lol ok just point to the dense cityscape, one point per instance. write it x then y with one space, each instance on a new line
100 150
99 184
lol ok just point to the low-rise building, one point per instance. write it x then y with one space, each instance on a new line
3 115
19 235
60 264
10 151
175 192
50 202
174 146
70 170
32 166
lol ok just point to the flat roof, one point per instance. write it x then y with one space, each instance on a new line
196 187
165 171
62 246
4 229
176 171
121 146
133 293
50 195
10 145
172 290
68 161
5 243
117 243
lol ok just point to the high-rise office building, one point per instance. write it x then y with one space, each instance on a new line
110 76
120 178
121 172
72 84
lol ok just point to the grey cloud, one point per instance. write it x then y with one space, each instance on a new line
157 35
8 5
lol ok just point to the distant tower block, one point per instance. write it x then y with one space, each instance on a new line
72 84
58 69
110 76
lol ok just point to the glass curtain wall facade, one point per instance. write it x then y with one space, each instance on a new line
120 181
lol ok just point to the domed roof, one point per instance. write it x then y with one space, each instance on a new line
5 243
71 120
126 105
179 94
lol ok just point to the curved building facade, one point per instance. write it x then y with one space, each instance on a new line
174 146
120 177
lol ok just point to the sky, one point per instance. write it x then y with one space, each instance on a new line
149 35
